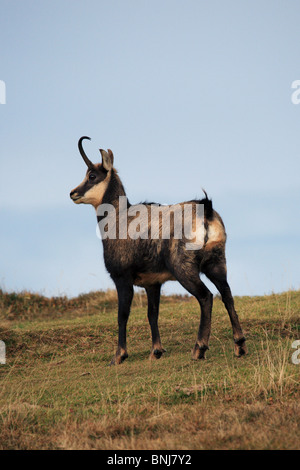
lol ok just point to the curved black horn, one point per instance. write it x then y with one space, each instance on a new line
82 152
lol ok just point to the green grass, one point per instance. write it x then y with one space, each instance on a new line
58 392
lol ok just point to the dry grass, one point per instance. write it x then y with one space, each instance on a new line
57 391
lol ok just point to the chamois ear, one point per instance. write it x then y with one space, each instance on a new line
107 159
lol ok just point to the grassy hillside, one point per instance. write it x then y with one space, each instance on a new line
57 391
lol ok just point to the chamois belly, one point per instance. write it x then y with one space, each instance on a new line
148 279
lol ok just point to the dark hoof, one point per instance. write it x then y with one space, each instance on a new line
118 359
199 352
240 348
157 353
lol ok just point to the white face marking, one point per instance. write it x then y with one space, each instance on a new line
94 196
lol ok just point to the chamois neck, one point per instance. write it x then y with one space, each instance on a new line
114 190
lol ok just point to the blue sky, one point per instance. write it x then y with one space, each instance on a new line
187 95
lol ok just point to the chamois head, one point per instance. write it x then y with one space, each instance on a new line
94 185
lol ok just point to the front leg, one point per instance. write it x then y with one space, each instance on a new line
153 293
125 295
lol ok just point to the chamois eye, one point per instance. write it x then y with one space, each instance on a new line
92 177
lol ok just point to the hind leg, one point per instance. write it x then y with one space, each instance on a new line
218 275
192 283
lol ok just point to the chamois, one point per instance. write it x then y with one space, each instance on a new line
150 261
